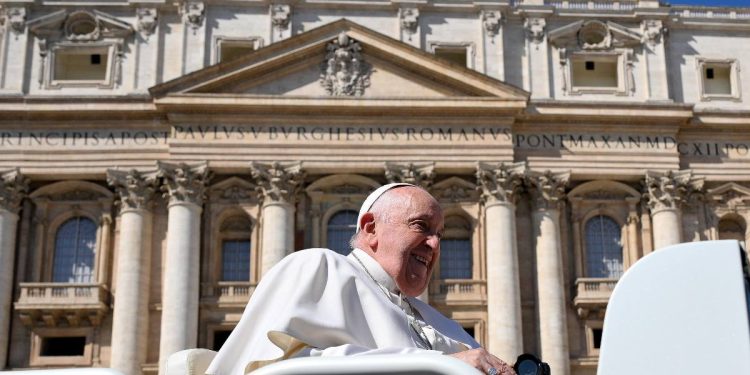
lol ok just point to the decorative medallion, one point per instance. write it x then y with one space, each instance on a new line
16 19
344 72
82 26
491 22
147 20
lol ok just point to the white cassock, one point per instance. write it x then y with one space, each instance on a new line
316 302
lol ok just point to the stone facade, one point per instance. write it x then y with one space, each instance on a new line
174 128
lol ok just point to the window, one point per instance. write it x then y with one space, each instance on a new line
732 229
220 337
456 260
227 49
603 248
63 346
595 72
341 228
235 256
81 64
75 244
460 53
470 331
596 338
718 79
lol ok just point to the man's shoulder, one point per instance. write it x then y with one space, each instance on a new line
313 256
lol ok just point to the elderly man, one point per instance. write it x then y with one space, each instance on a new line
316 302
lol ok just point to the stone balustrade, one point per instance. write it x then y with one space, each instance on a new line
594 291
458 291
597 4
228 293
46 304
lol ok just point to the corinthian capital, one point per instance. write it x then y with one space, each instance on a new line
547 188
184 183
420 174
500 182
15 186
135 189
278 182
667 190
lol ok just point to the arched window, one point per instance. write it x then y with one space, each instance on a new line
341 228
603 248
732 229
235 249
75 244
455 249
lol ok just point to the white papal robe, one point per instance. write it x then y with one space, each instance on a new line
316 302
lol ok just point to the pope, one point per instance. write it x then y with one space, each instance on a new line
317 303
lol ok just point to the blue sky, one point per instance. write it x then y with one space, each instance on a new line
731 3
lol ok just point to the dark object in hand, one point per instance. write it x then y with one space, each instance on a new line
529 364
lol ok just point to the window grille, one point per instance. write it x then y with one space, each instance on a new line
235 256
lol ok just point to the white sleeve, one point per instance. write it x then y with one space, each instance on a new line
348 349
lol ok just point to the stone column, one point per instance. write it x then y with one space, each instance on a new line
548 190
420 174
185 186
135 191
14 187
146 43
500 186
278 183
665 192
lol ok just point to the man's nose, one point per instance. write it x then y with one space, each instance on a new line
433 241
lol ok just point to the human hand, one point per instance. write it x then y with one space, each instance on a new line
483 361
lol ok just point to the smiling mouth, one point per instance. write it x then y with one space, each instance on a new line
421 259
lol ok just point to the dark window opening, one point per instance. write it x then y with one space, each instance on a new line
220 337
709 73
597 335
96 59
590 65
456 55
470 331
63 346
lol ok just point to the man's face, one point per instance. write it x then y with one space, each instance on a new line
408 238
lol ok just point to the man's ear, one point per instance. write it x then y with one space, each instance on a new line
367 227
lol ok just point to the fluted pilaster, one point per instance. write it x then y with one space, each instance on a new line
500 185
278 184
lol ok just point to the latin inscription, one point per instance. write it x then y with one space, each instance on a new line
369 135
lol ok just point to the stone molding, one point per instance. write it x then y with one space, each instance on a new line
500 182
16 19
420 174
14 189
193 13
668 190
278 182
184 183
409 19
281 15
535 29
653 31
344 71
454 190
547 188
135 189
491 20
148 19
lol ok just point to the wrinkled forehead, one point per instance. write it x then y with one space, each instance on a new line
411 202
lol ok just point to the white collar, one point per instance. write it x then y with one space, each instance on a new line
375 269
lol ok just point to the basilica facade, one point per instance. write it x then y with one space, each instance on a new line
159 157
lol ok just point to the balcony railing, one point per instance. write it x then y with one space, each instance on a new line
228 293
47 303
594 291
595 4
458 291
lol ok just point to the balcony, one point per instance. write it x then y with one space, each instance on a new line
66 304
592 295
228 293
458 292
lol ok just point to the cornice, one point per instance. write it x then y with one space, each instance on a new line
608 111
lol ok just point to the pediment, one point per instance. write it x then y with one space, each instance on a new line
594 35
455 189
79 25
730 193
339 61
233 189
